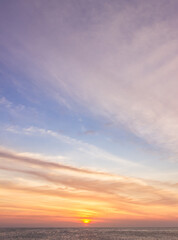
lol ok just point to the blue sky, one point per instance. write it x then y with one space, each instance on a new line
92 85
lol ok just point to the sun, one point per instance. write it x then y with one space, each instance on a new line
86 221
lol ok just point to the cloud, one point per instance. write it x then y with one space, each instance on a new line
18 112
119 63
5 102
28 160
131 189
89 150
89 132
36 185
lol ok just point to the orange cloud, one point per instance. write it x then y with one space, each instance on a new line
48 189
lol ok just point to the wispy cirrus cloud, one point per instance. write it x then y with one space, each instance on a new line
57 189
114 62
116 68
29 159
81 146
17 112
122 188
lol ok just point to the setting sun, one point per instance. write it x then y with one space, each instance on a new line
88 119
86 221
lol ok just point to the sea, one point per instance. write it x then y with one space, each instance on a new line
89 233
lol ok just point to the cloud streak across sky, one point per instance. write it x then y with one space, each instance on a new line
88 101
67 185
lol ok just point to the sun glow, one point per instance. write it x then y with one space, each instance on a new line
86 221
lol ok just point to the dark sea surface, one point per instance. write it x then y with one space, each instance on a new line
89 233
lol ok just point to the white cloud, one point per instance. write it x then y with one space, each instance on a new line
89 150
120 65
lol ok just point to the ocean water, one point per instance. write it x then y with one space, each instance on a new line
89 234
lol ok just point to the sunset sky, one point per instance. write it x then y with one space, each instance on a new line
88 113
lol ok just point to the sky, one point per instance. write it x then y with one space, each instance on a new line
88 113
